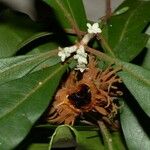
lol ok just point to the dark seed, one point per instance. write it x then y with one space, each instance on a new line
81 97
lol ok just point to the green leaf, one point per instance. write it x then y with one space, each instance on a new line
146 62
58 39
84 137
33 38
63 137
15 29
73 9
135 135
38 146
124 32
86 140
118 141
89 140
121 11
16 67
22 102
137 80
77 127
49 43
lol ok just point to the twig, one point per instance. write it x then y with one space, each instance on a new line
100 55
108 12
108 9
106 135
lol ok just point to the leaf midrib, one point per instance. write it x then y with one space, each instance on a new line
127 22
32 38
21 63
71 12
31 92
145 81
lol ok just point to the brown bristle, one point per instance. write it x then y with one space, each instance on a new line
94 92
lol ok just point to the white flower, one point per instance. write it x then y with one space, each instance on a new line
93 28
61 54
81 56
66 52
81 60
81 67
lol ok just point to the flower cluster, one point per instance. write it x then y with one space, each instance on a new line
66 52
81 55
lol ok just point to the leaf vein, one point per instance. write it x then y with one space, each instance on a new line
127 22
31 92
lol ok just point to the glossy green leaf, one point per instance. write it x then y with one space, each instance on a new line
92 140
77 127
33 38
48 43
124 32
146 62
135 134
38 146
15 29
22 102
63 137
89 140
66 135
121 11
74 9
137 80
118 141
16 67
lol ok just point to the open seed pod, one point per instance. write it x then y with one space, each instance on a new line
94 92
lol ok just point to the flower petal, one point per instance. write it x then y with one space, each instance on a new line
95 25
89 25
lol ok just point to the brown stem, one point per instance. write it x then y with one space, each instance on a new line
108 9
100 55
108 12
